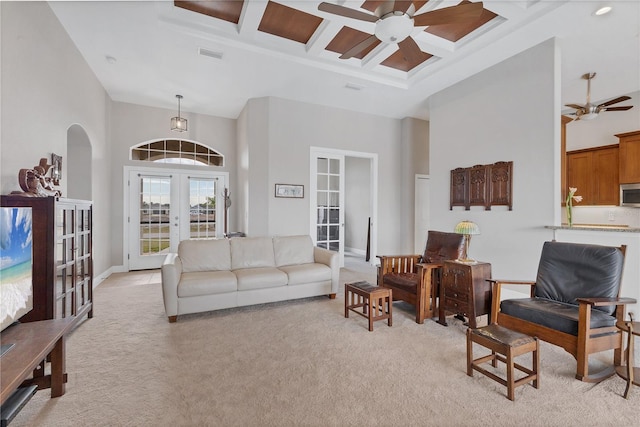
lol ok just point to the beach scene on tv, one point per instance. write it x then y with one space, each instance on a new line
16 292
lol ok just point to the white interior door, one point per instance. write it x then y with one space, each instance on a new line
421 213
327 201
165 208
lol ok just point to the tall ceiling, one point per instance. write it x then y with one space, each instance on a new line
219 54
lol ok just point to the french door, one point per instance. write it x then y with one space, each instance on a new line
327 201
167 206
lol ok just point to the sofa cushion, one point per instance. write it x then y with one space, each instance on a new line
552 314
307 273
204 255
292 250
259 278
206 283
568 271
252 252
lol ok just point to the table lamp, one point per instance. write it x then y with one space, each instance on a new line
467 228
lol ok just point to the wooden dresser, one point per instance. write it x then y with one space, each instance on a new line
464 290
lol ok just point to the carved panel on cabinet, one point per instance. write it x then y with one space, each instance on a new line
501 184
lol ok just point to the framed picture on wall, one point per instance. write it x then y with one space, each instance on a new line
56 168
290 190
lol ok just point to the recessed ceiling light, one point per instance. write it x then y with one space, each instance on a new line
110 59
603 10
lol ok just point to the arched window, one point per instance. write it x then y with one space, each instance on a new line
177 151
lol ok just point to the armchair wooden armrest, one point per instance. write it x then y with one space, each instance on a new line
597 302
496 288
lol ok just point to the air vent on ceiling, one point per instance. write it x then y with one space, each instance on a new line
210 53
354 86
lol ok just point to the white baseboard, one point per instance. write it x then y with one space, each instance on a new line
355 251
98 279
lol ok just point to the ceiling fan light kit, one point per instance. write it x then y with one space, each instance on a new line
394 27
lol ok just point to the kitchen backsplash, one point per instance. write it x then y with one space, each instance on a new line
607 215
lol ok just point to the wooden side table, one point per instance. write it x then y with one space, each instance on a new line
628 372
376 302
464 290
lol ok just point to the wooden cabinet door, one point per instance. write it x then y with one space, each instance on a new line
606 187
629 157
579 175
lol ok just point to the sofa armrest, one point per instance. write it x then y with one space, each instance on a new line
331 260
496 288
171 271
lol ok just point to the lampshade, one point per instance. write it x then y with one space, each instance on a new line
178 124
467 227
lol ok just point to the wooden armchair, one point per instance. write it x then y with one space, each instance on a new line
574 303
415 278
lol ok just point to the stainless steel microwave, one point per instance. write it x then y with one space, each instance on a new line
630 195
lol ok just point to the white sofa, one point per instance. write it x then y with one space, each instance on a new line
210 275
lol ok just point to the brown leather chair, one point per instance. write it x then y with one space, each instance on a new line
416 278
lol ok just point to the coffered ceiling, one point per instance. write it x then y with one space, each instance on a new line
219 54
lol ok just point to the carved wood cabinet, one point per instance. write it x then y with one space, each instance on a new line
62 256
464 290
482 185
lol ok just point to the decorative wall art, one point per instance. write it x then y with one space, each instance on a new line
290 190
482 185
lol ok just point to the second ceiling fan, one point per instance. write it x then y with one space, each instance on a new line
395 21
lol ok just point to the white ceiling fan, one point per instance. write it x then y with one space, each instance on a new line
395 21
590 111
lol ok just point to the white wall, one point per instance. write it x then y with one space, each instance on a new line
46 88
134 124
483 120
287 130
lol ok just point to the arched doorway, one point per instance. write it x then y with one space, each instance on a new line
78 164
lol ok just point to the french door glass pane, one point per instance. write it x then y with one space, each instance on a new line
328 203
202 208
155 204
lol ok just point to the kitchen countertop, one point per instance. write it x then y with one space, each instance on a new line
595 227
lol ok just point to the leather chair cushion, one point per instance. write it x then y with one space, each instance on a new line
405 281
442 246
568 271
553 314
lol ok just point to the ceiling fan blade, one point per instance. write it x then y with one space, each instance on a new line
576 106
449 15
359 47
615 101
625 108
346 12
410 50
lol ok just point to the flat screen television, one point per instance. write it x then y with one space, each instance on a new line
16 258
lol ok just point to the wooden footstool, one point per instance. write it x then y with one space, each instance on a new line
505 345
376 302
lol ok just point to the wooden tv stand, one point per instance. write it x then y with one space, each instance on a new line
34 341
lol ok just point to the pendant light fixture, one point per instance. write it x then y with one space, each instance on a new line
179 124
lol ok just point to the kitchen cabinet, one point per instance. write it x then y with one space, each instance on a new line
629 157
595 173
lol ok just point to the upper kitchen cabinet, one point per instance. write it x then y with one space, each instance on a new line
629 157
594 172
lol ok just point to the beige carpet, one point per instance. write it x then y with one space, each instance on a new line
298 363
